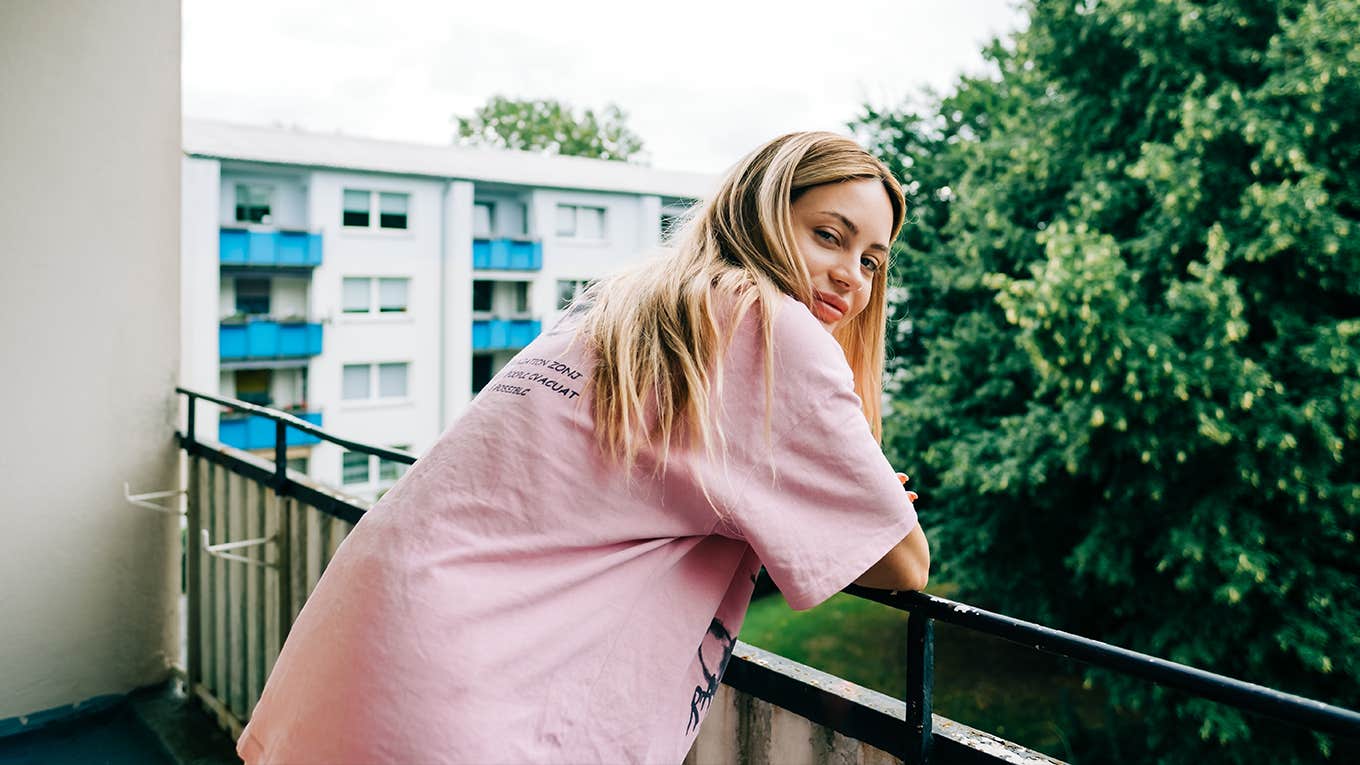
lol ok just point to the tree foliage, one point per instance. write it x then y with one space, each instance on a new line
551 127
1127 359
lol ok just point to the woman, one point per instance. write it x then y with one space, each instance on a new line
561 578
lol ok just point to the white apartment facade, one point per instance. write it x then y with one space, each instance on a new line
374 287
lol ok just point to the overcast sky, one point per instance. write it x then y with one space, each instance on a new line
702 81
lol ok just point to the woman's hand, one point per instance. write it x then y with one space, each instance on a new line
903 477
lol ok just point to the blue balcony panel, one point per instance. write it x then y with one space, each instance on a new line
285 249
501 334
268 340
255 432
507 255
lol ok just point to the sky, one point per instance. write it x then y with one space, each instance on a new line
702 81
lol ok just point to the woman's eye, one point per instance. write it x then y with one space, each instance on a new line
869 263
826 236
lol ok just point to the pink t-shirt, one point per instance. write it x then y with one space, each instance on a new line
513 599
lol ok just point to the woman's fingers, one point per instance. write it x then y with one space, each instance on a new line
903 477
911 495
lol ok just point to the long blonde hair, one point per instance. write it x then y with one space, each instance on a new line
653 331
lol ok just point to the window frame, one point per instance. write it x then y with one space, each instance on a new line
375 211
575 234
375 397
373 305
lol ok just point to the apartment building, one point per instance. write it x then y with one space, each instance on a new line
373 287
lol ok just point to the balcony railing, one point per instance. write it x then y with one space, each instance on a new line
500 334
269 249
256 432
264 339
507 254
261 537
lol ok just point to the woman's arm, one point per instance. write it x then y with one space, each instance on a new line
905 567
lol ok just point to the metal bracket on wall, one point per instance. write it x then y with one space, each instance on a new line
220 550
143 500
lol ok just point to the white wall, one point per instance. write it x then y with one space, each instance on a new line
90 134
200 303
412 337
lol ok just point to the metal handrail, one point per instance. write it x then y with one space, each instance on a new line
294 422
1251 697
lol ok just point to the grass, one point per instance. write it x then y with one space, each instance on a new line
990 684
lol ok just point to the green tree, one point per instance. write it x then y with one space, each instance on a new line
552 127
1127 367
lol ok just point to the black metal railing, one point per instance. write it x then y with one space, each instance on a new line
915 734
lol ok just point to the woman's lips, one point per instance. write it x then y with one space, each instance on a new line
829 308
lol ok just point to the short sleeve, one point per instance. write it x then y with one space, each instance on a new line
832 508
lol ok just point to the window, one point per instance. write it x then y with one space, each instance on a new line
391 470
569 289
252 296
356 208
392 295
358 383
252 203
521 297
483 369
356 294
252 386
482 294
392 380
576 222
483 213
298 463
668 224
393 209
354 468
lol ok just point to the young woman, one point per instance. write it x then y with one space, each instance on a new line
562 576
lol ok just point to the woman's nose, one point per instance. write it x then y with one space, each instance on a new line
848 277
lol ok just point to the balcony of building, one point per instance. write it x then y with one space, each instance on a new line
501 315
507 254
260 536
246 249
246 340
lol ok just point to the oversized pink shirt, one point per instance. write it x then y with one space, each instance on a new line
514 599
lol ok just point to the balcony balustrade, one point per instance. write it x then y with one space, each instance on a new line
507 254
256 432
264 339
244 595
503 334
266 249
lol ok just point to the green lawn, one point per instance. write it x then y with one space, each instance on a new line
980 681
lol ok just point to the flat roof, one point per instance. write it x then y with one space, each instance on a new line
286 146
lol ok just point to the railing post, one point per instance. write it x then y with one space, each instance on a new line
193 574
283 538
280 456
189 433
920 683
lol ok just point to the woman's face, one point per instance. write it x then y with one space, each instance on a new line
842 230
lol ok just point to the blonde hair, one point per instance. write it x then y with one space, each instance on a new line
657 343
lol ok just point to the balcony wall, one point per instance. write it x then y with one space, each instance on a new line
499 334
269 340
253 432
288 249
507 254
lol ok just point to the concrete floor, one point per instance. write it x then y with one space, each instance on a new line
113 736
153 726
